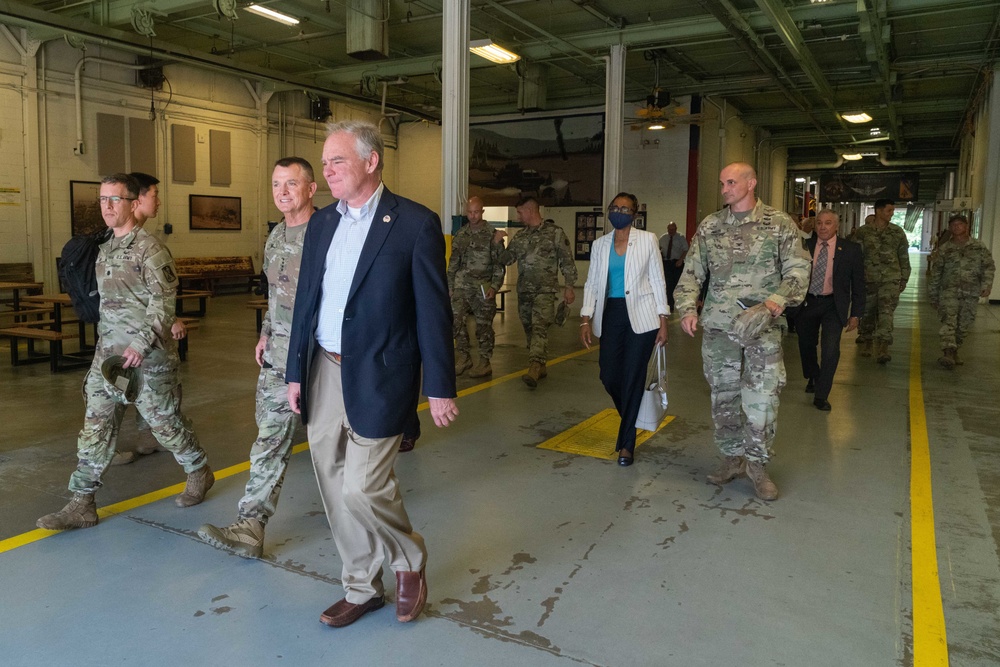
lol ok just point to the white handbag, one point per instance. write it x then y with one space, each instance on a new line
654 398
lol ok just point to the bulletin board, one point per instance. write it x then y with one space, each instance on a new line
587 225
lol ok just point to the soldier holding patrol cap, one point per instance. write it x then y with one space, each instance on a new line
758 268
138 285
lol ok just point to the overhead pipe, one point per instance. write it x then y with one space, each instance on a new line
923 162
78 93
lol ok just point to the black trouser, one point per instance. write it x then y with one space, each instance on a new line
623 359
672 273
819 312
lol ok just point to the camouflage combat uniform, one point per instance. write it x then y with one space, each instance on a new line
473 269
275 420
760 258
541 253
138 287
887 268
959 275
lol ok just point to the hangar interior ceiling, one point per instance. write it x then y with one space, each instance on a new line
788 67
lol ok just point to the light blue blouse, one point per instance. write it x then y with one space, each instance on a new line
616 274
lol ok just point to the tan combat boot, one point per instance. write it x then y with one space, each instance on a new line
462 364
124 458
244 538
883 356
763 487
146 443
198 484
533 375
81 512
947 359
958 362
865 348
484 369
730 469
544 372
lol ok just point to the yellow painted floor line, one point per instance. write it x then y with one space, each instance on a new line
596 436
930 643
117 508
125 505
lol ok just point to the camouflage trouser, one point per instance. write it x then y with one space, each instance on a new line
158 403
537 310
881 300
745 384
957 315
466 300
272 448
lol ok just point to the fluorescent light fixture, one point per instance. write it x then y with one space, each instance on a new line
485 48
268 13
875 131
657 126
851 156
869 155
800 180
859 117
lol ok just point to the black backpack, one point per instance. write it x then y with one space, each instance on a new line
78 273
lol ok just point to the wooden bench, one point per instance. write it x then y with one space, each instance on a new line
21 316
260 305
190 323
57 360
201 295
21 272
212 272
501 293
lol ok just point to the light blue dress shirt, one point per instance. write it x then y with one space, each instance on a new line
341 262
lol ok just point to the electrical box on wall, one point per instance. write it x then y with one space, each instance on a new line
152 76
319 109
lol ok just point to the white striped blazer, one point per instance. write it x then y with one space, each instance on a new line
645 287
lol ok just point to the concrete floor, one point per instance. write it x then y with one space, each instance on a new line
536 557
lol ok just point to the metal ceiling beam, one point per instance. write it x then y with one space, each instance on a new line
876 37
16 13
790 35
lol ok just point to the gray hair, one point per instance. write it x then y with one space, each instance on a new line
829 211
367 137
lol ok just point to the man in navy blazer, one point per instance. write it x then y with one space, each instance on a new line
371 307
835 302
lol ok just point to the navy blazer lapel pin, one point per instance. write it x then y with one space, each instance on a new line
387 218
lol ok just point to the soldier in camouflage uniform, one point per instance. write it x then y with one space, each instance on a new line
754 254
138 286
474 276
541 251
146 208
887 268
293 186
961 274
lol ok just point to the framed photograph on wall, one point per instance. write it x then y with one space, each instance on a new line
586 232
209 212
85 209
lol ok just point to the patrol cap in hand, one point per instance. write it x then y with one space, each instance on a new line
561 311
124 384
750 324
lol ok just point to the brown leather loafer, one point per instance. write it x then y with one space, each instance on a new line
407 444
411 594
344 613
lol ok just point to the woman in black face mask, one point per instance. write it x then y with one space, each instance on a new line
625 305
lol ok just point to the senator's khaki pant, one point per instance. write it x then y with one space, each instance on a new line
359 489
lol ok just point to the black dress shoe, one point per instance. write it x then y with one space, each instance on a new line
822 404
810 386
624 460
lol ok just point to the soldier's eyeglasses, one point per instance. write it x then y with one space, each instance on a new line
621 209
114 199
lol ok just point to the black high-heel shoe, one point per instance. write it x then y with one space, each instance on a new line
623 460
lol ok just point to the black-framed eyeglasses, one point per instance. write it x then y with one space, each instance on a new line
114 199
621 209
